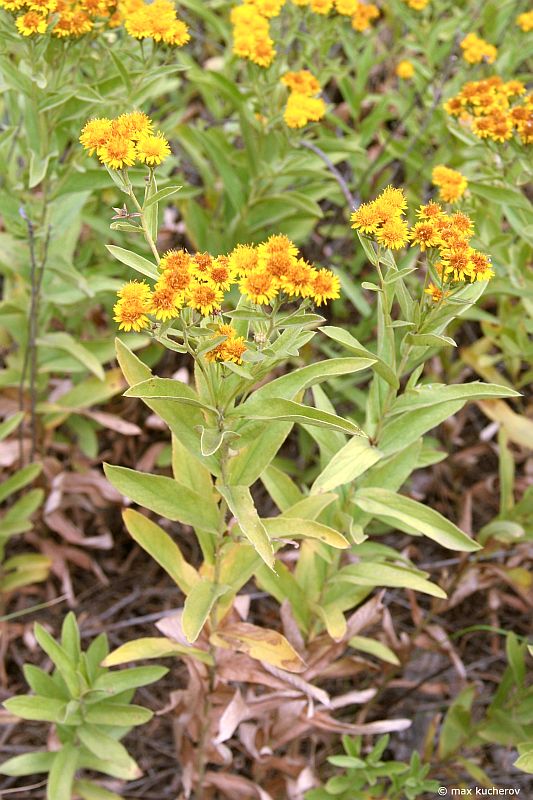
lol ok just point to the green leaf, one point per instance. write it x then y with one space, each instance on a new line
91 791
117 714
289 411
60 658
134 261
153 647
62 774
167 389
374 648
59 340
429 340
162 194
432 394
158 544
290 527
125 679
34 707
19 480
104 746
412 517
501 195
348 463
165 496
403 430
289 385
28 764
198 605
242 507
374 573
351 343
10 424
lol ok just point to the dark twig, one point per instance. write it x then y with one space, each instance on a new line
350 199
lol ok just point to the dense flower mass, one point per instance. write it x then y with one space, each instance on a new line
251 21
452 184
475 50
120 142
63 19
302 107
446 236
273 272
494 109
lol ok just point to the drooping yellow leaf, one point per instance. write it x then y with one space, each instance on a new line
261 643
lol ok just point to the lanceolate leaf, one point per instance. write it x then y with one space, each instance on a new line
432 394
276 408
289 385
162 548
351 343
412 517
134 261
165 496
153 647
198 606
62 774
166 389
242 506
349 463
373 573
292 527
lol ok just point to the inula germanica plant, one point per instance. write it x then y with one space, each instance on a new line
91 710
244 319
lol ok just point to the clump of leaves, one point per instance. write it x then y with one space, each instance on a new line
91 709
369 776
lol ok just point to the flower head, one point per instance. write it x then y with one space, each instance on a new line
152 149
259 286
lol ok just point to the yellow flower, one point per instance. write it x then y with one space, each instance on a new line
525 21
12 5
366 219
243 259
457 262
417 5
302 81
301 109
31 22
405 70
480 267
200 265
393 233
431 210
132 125
221 274
476 50
299 279
325 286
95 134
42 6
364 14
346 7
204 298
259 286
165 302
425 235
267 8
132 306
435 293
321 6
452 184
152 149
276 255
117 153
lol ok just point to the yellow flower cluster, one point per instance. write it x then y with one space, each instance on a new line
417 5
251 23
251 31
476 50
452 184
271 271
525 21
383 218
449 234
405 70
486 107
60 18
120 142
155 20
230 349
302 107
